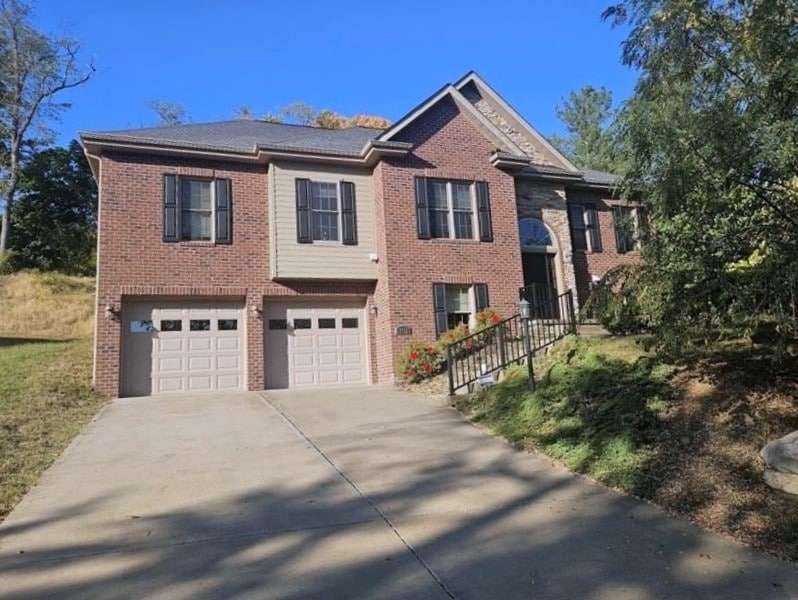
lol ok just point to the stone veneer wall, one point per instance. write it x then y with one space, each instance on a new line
547 202
530 147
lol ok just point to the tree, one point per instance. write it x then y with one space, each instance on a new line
55 216
713 132
170 113
34 70
300 113
592 141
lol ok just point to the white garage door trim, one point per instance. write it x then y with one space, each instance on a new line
183 346
316 343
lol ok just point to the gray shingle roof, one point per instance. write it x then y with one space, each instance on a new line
600 177
247 136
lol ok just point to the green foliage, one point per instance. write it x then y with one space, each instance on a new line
418 361
592 141
618 301
594 412
713 131
55 216
485 318
169 113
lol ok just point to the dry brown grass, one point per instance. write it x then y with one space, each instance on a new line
46 306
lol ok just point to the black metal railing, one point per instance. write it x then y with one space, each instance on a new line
510 341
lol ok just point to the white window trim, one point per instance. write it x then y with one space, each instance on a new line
450 209
212 181
339 241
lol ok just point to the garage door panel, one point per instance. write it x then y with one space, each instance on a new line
322 344
169 357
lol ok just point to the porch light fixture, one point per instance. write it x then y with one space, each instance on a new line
374 310
523 309
257 311
111 313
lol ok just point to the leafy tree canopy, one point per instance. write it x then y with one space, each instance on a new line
712 130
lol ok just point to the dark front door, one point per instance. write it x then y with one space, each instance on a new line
540 283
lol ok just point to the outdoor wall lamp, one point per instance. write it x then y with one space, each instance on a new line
111 313
257 311
374 310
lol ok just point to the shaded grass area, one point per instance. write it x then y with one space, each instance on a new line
687 439
45 400
45 374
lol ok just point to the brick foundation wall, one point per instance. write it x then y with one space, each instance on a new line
446 145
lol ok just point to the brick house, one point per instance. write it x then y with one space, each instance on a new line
252 255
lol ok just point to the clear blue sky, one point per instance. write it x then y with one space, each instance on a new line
352 57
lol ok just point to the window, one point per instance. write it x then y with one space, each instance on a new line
456 304
326 323
349 323
325 212
585 230
197 209
626 221
301 323
533 232
172 325
276 324
227 324
451 209
200 325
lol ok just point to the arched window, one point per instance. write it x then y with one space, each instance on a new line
534 233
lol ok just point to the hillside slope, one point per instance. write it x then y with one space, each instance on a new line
46 324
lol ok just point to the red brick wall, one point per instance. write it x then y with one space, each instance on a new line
589 264
447 145
133 260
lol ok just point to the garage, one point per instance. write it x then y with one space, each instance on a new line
182 346
315 343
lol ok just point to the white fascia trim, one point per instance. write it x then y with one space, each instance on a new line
485 88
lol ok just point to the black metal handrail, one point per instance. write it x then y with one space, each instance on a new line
510 341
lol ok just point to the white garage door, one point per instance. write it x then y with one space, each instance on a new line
315 344
171 347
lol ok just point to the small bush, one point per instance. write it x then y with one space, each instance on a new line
449 337
487 317
619 301
418 361
7 264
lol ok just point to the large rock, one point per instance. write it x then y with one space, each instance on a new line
786 482
782 454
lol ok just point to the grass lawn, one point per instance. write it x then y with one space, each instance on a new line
687 439
45 382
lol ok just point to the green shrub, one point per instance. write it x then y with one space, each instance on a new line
487 317
7 263
620 301
418 361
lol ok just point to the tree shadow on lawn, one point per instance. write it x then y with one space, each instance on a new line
23 341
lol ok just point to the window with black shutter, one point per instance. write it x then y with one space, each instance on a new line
576 214
625 223
326 212
454 304
197 209
453 209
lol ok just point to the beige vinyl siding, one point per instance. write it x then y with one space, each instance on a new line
319 260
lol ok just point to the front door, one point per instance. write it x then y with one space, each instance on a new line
540 280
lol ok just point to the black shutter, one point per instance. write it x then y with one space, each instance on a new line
483 211
348 214
439 306
620 237
303 211
481 296
224 211
593 226
422 209
171 209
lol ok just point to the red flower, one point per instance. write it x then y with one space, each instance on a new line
495 318
482 315
414 356
451 336
429 369
426 366
430 350
410 373
470 345
465 331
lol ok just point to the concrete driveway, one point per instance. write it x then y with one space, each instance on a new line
357 493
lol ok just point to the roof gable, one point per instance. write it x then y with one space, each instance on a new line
502 141
538 147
